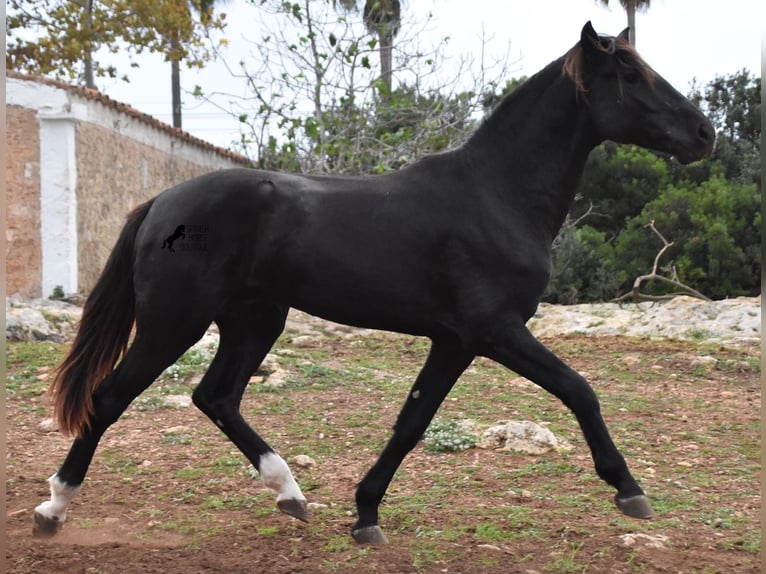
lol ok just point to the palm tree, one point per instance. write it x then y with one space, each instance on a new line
383 18
630 7
205 10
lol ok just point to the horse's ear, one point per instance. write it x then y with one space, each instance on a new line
588 36
624 35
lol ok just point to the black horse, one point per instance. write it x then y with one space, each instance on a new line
456 248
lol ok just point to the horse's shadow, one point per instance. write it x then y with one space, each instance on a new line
178 233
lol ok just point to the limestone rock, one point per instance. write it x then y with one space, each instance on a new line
657 541
303 461
178 401
521 436
48 425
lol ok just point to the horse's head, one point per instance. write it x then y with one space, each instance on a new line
630 103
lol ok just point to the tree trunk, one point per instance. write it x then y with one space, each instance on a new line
386 58
88 71
175 84
88 48
631 10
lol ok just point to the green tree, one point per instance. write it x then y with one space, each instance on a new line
733 104
631 6
715 228
60 38
57 38
619 180
583 267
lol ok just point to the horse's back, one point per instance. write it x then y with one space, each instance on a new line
407 252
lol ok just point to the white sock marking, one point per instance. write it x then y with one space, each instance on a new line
277 476
61 495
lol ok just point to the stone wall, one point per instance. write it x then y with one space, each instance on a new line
122 175
77 163
22 181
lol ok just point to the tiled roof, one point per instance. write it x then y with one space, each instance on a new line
95 95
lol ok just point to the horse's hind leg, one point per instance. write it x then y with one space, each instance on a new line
247 333
142 364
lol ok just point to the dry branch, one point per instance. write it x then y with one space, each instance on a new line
635 293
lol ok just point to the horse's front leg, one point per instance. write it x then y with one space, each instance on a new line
446 362
516 348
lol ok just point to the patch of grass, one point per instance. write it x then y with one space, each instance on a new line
489 532
29 367
567 563
194 361
699 335
523 521
190 473
89 523
429 554
338 544
119 461
176 439
748 541
227 502
195 524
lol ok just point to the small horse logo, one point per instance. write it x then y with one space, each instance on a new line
178 233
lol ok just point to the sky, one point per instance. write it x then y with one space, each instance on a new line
681 39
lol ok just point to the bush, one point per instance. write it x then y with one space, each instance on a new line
583 269
715 230
447 436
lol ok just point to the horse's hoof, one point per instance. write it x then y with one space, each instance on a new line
370 535
635 506
295 508
44 526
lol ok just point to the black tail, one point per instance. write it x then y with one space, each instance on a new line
103 334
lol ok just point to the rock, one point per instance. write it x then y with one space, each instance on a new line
521 436
40 320
657 541
731 320
26 324
175 430
469 426
489 547
686 318
304 341
209 341
275 380
270 364
178 401
704 361
48 425
303 461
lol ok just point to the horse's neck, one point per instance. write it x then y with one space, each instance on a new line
534 146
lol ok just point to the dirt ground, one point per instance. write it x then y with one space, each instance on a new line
167 494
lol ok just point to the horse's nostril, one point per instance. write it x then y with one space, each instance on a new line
705 133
